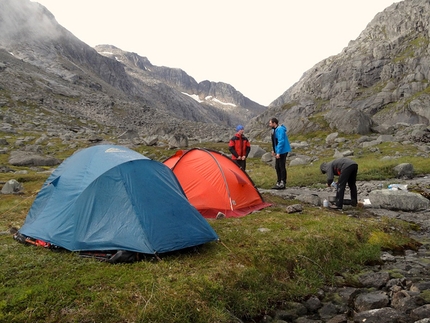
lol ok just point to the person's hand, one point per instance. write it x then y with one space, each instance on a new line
273 153
277 156
243 157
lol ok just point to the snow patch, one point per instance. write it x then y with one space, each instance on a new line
193 96
209 98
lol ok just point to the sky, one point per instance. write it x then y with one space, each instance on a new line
261 48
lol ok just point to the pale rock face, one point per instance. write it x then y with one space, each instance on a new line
379 79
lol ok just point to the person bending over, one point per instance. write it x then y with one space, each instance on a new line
347 170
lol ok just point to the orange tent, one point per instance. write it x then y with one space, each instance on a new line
214 183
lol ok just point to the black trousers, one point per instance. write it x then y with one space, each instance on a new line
281 168
348 176
241 163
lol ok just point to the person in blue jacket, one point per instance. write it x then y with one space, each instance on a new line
280 149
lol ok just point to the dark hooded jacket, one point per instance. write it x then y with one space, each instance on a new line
335 168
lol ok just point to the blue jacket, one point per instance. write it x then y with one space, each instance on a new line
280 142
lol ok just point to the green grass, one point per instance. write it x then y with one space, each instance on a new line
248 272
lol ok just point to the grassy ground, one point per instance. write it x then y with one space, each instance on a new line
262 260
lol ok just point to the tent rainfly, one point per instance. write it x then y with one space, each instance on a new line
109 197
214 183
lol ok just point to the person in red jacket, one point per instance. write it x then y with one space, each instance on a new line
239 147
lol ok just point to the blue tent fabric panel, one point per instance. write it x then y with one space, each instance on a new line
111 198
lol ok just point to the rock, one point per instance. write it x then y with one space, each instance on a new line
220 215
328 310
380 315
298 161
256 151
178 141
369 301
12 186
404 302
3 142
294 208
385 138
312 199
422 312
423 321
302 144
266 158
151 140
23 158
373 279
313 304
331 138
404 170
337 154
398 200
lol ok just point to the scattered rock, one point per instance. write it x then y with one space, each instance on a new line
12 187
294 208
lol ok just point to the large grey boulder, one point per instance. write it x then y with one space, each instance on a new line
404 170
398 200
380 315
26 158
12 186
349 121
369 301
178 141
256 151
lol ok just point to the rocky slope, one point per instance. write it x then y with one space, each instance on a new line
46 66
378 80
221 101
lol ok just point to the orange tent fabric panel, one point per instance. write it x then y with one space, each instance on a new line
214 183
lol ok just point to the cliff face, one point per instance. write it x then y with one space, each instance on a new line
380 79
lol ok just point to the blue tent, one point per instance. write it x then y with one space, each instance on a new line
109 197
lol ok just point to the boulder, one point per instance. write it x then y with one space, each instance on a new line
404 170
178 141
256 151
25 158
12 186
398 200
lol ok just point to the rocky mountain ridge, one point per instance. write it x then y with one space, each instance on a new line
378 80
221 96
44 65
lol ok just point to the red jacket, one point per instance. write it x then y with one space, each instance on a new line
239 146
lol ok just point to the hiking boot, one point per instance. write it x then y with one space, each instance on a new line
281 185
276 186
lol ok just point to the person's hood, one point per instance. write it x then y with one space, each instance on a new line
323 168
